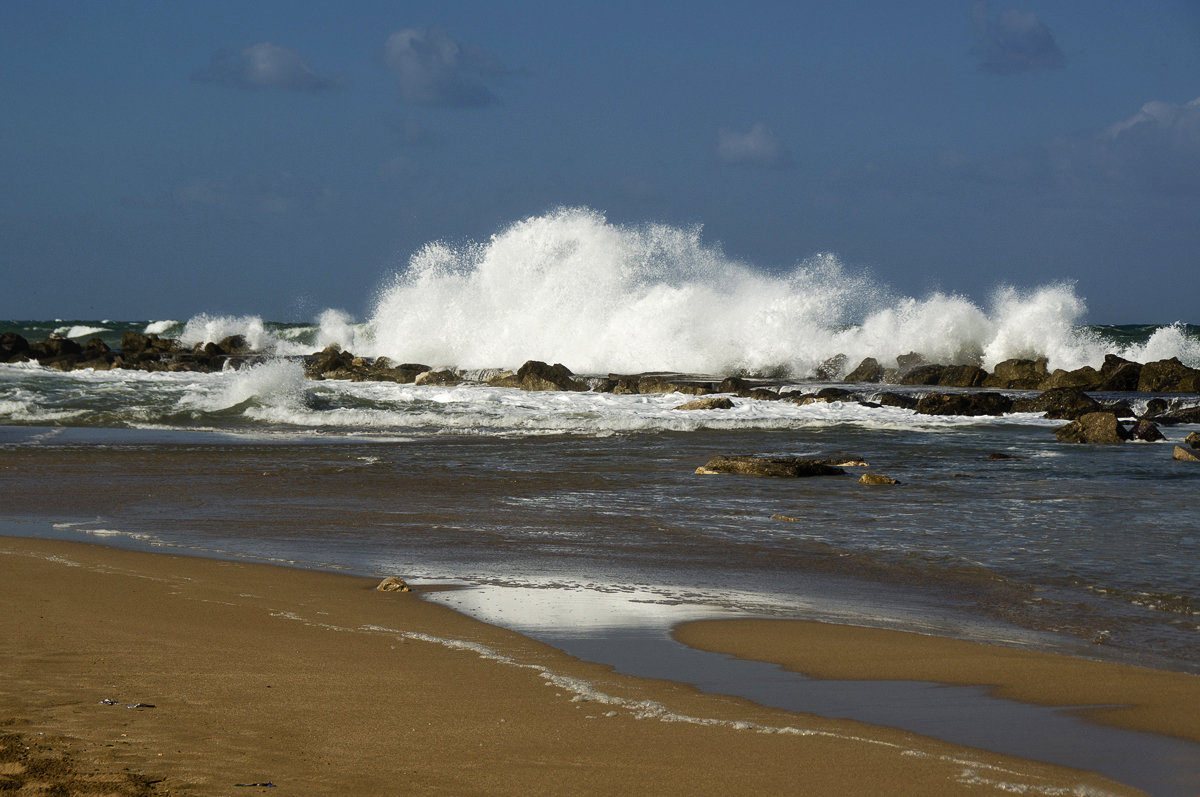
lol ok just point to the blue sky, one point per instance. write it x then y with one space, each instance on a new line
278 158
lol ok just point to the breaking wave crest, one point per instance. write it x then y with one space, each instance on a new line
571 287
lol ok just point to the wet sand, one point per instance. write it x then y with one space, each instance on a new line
319 684
1136 698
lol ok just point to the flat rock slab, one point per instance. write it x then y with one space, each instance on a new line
778 467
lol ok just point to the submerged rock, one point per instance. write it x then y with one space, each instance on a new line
709 403
1189 415
778 467
876 478
900 400
1183 455
964 404
1094 427
1062 403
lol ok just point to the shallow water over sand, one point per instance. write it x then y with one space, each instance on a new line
1089 543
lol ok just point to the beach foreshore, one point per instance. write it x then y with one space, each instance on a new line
201 675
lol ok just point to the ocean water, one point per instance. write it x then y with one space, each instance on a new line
589 500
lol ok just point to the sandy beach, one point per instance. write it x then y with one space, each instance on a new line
318 684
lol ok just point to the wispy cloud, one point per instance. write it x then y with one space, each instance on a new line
264 66
759 146
1013 41
433 69
1152 153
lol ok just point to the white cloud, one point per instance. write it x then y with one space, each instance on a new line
264 66
759 146
433 69
1013 41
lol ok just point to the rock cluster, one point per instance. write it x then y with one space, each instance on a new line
776 467
958 389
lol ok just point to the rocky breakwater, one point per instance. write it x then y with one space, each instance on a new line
138 352
924 388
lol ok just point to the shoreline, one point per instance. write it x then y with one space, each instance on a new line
313 680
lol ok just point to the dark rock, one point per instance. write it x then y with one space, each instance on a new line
669 383
762 394
1156 405
624 385
1094 427
1146 431
326 362
735 385
1193 440
709 403
1119 375
876 478
822 396
384 370
1000 456
55 347
1066 403
1189 415
907 362
1085 378
13 348
1121 408
897 400
1017 374
1183 455
1168 376
831 369
962 376
95 347
964 404
537 376
922 375
234 344
869 370
781 467
137 344
446 378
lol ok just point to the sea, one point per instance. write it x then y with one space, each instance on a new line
578 516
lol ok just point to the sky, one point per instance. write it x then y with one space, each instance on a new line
276 158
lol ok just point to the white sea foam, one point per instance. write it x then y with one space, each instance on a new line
79 331
160 327
211 329
570 287
276 383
